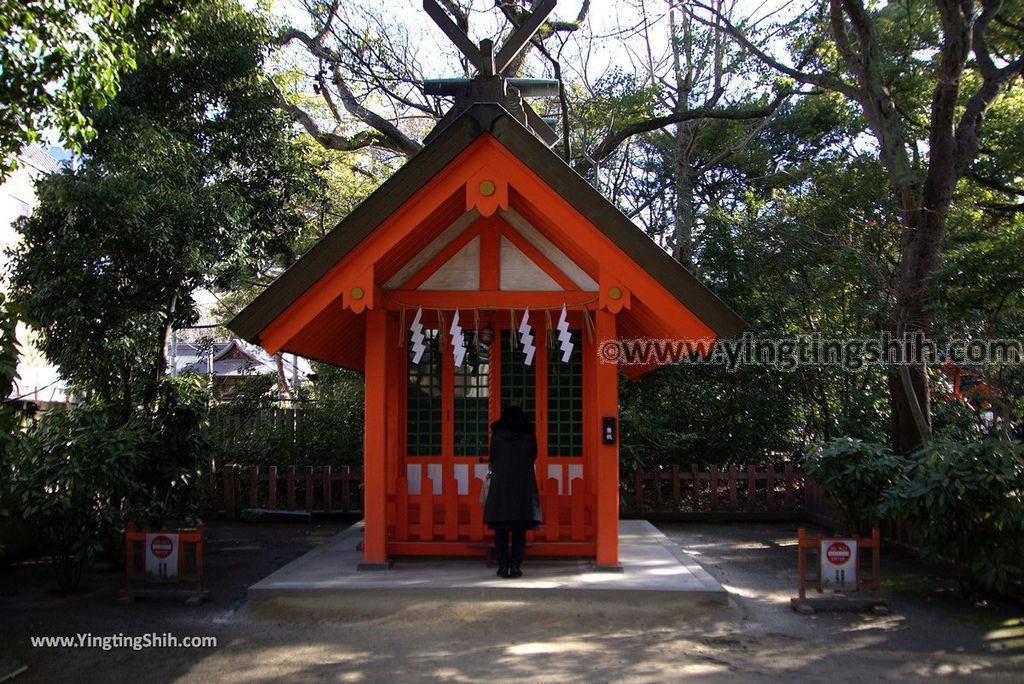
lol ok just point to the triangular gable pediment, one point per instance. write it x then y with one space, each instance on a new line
525 260
424 256
557 257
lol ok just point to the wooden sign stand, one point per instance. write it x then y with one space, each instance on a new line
871 586
184 582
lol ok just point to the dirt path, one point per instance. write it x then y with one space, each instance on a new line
930 635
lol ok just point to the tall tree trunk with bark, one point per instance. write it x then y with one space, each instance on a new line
682 223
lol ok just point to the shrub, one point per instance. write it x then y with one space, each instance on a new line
855 474
328 427
955 419
966 500
79 475
175 449
65 476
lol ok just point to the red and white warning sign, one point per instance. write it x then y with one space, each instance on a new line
839 564
161 555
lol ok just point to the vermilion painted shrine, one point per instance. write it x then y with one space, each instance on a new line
486 223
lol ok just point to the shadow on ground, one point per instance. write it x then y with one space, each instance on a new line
930 635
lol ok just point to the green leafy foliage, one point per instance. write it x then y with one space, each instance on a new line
167 480
60 60
8 416
193 180
325 429
966 500
79 477
701 415
856 475
956 420
797 253
67 474
8 374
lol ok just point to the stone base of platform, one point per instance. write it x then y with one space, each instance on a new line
655 572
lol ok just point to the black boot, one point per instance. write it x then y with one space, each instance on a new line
503 570
517 552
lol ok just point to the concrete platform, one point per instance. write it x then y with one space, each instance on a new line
655 573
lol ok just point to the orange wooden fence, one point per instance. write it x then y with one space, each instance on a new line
426 515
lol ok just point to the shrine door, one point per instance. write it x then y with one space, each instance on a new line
447 415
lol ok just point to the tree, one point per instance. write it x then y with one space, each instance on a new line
8 375
193 179
965 55
362 56
60 60
694 100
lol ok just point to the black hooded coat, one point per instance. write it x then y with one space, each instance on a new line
513 502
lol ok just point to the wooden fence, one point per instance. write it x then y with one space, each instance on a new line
317 489
749 494
664 494
732 494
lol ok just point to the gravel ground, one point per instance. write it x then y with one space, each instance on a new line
930 634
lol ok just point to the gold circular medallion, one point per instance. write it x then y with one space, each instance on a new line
614 293
357 293
487 188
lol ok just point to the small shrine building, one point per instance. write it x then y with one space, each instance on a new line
485 272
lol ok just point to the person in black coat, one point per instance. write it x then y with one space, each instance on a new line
513 505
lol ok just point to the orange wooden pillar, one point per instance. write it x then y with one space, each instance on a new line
375 442
606 462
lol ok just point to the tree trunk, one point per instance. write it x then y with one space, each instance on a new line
913 316
284 391
165 335
682 233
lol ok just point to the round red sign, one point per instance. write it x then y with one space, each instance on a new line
838 553
161 546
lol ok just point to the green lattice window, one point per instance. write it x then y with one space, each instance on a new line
472 399
565 398
423 423
518 381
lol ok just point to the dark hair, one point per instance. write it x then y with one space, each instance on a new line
514 414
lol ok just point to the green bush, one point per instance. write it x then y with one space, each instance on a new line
249 429
955 419
966 501
856 475
66 476
165 482
79 475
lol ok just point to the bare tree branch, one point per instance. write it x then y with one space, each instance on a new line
811 78
995 81
328 20
399 141
616 137
329 140
386 133
875 99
